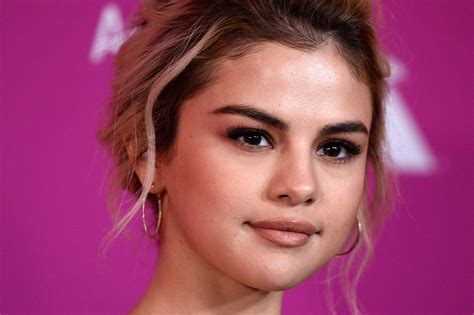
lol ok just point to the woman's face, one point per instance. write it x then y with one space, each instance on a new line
268 168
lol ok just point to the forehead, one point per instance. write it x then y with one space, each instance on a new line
293 84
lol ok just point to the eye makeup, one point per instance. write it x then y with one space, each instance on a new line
339 150
253 138
335 150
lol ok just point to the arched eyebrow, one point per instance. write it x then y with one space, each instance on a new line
255 114
266 118
344 127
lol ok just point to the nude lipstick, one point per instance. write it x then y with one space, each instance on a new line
284 232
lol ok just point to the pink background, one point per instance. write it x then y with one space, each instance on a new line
53 206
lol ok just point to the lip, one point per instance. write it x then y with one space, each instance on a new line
284 232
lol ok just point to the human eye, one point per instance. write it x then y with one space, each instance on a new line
253 138
339 150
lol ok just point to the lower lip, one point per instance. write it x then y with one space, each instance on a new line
283 238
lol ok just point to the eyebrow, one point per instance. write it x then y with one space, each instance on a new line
264 117
255 114
344 127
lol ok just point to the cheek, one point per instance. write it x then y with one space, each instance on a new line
214 179
192 182
209 199
343 197
205 191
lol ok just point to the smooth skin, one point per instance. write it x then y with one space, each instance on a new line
281 133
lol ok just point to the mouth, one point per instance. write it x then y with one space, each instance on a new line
284 232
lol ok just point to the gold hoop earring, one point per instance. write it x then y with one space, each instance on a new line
359 230
158 223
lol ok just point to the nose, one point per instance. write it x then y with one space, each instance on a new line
293 181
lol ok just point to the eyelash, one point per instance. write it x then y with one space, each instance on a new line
351 149
235 133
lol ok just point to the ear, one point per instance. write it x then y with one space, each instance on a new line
141 169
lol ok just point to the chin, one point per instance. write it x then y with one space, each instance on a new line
277 280
276 283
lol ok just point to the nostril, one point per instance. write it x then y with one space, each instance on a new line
309 201
284 197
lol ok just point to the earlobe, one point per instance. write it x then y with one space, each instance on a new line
141 169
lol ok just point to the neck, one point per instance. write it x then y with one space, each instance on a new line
182 285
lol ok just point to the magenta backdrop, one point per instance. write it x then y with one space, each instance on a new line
53 206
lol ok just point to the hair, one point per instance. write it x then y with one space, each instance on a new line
172 54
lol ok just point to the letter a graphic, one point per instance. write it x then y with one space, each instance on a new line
109 34
408 148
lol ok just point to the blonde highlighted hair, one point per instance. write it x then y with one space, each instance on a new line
172 53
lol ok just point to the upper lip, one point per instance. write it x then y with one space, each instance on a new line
284 224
